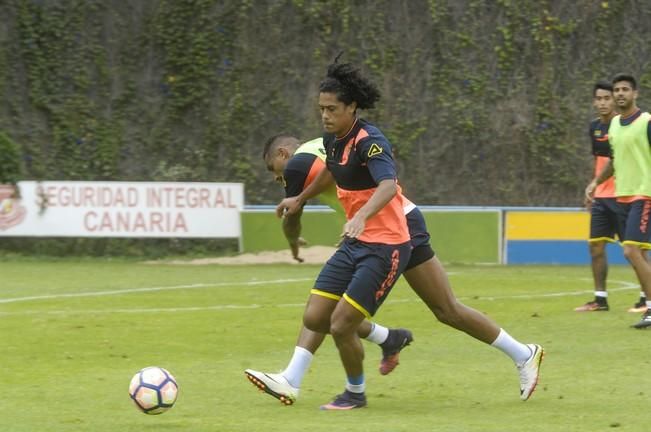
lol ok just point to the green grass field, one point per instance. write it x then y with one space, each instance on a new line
72 333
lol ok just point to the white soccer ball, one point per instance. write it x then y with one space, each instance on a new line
153 390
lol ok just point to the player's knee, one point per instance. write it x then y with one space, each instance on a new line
597 249
449 314
339 330
342 327
316 323
633 253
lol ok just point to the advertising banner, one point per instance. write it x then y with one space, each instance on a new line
121 209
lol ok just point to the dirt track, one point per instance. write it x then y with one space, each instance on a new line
311 255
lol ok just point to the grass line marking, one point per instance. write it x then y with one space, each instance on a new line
625 286
148 289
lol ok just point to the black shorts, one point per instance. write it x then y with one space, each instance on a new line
606 218
635 220
362 273
422 251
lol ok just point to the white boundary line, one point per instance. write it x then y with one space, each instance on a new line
149 289
625 286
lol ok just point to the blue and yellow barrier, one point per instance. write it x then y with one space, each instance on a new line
551 237
505 235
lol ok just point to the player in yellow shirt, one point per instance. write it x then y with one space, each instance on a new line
605 211
630 138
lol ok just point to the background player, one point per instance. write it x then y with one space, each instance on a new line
630 137
605 212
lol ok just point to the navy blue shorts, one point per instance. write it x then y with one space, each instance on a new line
606 220
635 220
363 273
421 249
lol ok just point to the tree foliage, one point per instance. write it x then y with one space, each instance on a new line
10 163
486 102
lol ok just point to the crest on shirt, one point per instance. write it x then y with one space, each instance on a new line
374 150
597 132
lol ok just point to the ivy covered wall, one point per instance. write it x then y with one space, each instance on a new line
486 101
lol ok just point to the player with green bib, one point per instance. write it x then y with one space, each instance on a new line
630 138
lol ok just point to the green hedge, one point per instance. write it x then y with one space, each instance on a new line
486 102
118 247
10 160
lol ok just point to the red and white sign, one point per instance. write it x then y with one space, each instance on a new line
12 212
122 209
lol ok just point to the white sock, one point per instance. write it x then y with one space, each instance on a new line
518 352
378 334
603 294
356 388
298 365
648 304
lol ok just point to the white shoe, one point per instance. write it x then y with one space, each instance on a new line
275 385
530 370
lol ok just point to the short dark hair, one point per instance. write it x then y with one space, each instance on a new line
272 143
347 82
602 85
625 77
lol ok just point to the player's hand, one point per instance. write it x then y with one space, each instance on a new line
589 194
354 227
288 206
295 249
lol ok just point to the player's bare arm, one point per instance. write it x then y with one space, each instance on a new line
604 175
384 193
292 231
292 205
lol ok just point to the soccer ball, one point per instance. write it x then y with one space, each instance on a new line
153 390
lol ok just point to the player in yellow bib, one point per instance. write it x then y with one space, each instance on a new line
630 138
605 217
